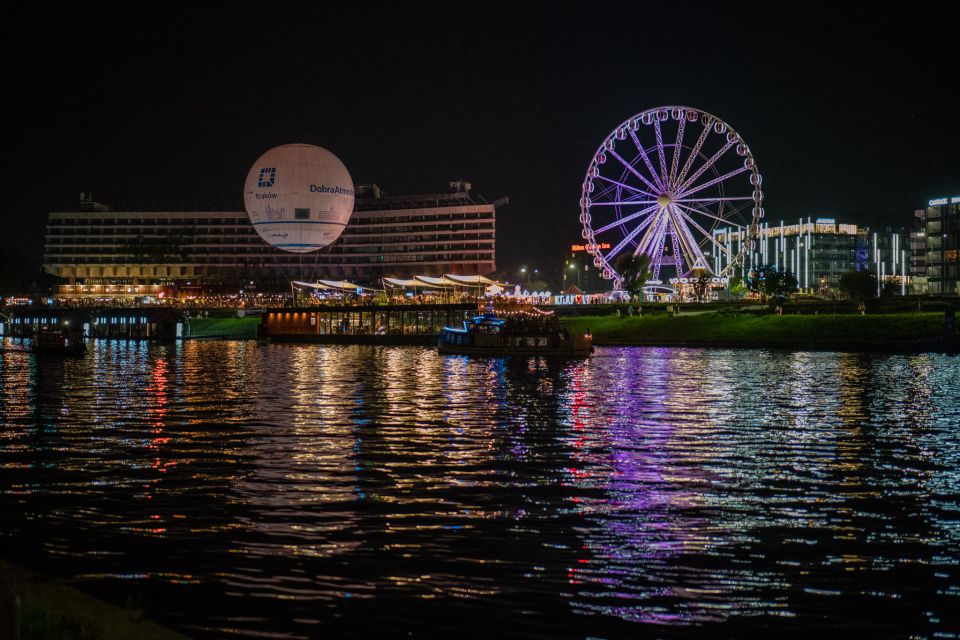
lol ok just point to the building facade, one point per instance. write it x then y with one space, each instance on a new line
918 245
579 270
430 234
819 251
941 236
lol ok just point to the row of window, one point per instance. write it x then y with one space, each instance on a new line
360 218
435 256
249 238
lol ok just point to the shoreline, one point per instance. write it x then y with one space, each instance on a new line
34 607
882 333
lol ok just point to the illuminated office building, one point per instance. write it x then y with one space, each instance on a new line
941 246
818 251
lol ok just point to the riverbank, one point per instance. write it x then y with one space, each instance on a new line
32 608
229 327
885 332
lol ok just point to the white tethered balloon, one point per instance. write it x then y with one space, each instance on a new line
299 197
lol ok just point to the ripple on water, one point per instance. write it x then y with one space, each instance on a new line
291 491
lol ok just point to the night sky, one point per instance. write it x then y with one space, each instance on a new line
848 114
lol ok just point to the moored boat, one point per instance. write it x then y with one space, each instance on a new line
59 341
518 332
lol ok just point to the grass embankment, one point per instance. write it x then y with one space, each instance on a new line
36 609
883 332
238 328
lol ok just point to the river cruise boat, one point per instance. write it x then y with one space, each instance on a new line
59 342
514 333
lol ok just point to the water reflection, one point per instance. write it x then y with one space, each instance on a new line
297 491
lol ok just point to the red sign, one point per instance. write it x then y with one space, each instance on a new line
589 247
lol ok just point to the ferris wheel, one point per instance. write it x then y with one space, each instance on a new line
678 185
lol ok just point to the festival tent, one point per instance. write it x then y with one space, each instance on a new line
437 282
478 281
335 285
409 282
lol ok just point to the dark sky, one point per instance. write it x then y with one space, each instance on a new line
848 112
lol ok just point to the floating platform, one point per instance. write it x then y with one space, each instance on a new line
408 324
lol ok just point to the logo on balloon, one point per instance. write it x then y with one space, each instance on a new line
338 190
268 175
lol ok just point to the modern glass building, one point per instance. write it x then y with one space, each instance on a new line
428 234
941 231
818 251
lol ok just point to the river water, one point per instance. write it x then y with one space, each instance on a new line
233 489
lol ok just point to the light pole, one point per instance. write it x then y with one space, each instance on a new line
572 266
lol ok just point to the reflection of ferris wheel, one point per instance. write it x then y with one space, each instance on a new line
676 184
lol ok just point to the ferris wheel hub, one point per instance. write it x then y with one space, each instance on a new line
663 200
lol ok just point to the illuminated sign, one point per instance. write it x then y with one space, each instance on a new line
826 221
589 247
580 298
711 280
936 202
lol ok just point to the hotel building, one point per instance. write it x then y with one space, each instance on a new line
95 250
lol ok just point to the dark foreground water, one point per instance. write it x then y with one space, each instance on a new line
235 489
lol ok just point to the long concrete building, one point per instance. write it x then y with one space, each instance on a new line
95 248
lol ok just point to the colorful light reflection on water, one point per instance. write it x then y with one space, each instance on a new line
300 491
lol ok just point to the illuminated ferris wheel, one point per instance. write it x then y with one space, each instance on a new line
678 185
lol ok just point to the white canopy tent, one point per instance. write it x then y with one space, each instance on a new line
409 282
436 282
335 285
475 281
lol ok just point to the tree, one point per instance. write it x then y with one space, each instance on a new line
634 271
858 286
771 284
737 287
781 285
537 285
701 282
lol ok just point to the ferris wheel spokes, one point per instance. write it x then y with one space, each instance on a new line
706 234
713 199
694 153
629 167
619 203
625 186
715 181
676 151
629 237
646 160
695 211
706 166
660 152
691 246
625 219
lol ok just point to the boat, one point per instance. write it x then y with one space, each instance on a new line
59 341
517 332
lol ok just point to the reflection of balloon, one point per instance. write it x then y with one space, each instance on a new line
299 197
